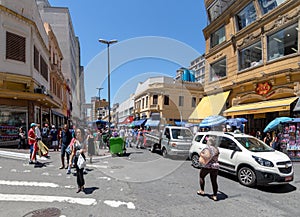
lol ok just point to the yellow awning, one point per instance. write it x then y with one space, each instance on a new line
260 107
209 105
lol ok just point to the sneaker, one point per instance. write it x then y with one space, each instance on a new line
69 172
31 162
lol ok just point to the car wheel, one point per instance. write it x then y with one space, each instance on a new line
195 160
247 176
164 153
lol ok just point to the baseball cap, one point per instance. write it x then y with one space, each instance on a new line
33 125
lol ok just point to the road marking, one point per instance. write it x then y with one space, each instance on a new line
97 166
114 203
17 155
105 178
47 199
32 184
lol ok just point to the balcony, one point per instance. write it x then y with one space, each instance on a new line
154 107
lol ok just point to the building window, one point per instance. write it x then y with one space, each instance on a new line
181 100
193 102
36 58
166 100
268 5
218 70
143 103
246 16
217 37
217 8
147 98
283 42
155 99
250 56
15 47
44 68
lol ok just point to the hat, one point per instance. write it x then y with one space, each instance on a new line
33 125
53 126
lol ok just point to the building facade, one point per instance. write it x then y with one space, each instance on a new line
252 51
25 94
60 20
173 100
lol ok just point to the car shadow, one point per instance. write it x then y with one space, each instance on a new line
278 189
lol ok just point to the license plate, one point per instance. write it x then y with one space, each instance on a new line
288 178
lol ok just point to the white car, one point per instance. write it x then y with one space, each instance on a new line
254 162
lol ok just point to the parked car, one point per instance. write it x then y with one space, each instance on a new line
250 159
171 141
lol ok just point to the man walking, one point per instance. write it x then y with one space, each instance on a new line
31 142
65 139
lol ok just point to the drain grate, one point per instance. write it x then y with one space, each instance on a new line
49 212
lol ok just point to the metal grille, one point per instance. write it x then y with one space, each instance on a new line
15 47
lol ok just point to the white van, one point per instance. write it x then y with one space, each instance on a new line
254 162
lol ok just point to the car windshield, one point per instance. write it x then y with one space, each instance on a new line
182 134
254 144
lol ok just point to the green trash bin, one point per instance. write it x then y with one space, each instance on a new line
116 145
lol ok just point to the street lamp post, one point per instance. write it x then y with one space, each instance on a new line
108 75
99 89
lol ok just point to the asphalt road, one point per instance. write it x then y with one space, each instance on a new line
138 184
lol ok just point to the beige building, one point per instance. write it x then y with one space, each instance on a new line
252 52
173 100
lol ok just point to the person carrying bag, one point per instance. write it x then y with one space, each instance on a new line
79 148
210 165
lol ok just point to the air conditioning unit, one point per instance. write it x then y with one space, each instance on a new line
38 90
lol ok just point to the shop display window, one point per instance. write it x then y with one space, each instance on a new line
10 122
250 56
283 42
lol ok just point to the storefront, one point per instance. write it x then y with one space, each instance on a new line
11 119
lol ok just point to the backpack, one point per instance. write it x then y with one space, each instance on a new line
45 132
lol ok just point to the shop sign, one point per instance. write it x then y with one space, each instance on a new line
263 88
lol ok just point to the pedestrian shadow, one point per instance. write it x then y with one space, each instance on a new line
220 196
40 164
90 190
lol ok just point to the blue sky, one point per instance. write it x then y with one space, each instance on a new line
154 38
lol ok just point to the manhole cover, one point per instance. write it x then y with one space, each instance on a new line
49 212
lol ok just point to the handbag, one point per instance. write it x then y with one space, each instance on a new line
205 157
69 150
81 163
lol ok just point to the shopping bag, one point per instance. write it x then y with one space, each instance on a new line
81 163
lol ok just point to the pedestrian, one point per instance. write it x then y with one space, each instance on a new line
91 144
268 139
53 136
79 148
210 154
31 142
99 141
22 138
258 135
45 135
140 139
274 142
65 139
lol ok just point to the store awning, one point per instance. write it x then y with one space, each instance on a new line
297 106
152 123
260 107
209 105
138 122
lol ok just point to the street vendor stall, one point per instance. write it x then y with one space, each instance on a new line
290 139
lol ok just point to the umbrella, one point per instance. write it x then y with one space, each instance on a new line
274 124
212 121
234 122
243 120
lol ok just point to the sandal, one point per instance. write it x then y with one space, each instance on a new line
214 198
201 193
